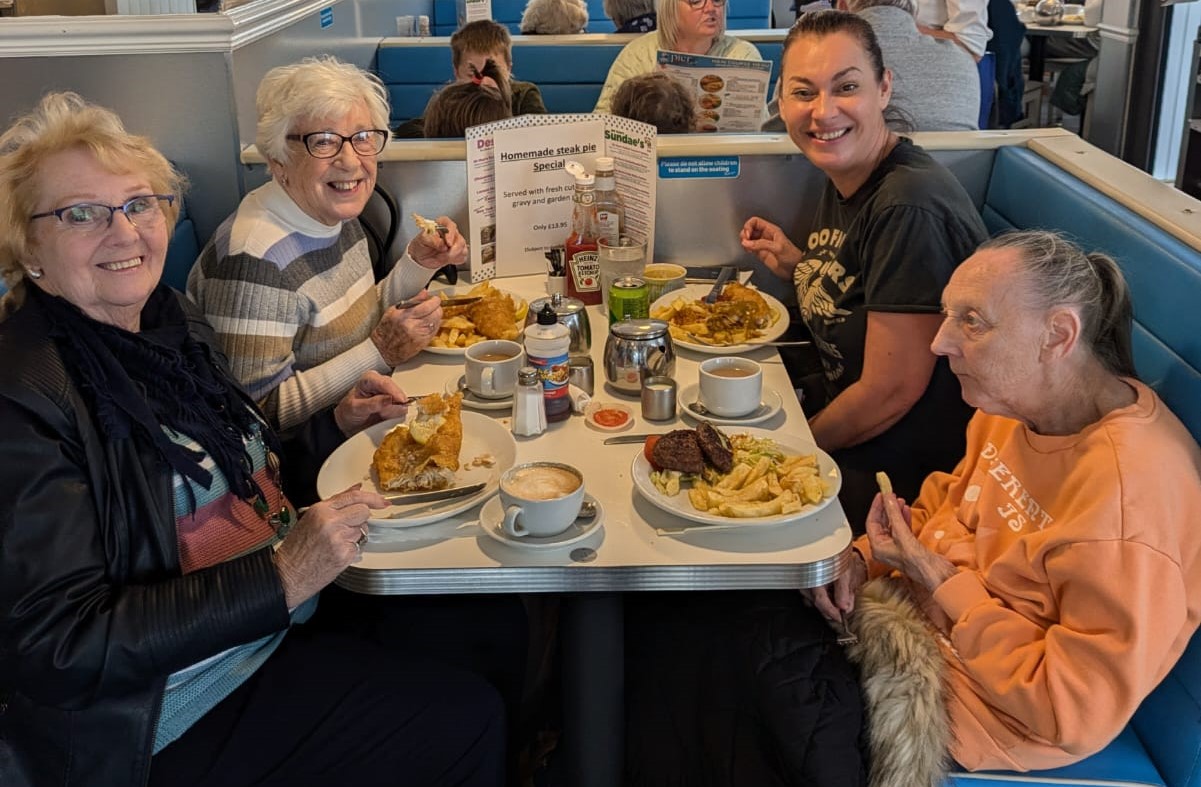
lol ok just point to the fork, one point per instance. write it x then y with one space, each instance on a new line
708 343
847 637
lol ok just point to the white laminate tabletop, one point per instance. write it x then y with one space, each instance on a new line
626 553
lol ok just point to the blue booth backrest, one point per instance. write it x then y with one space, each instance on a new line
182 251
569 76
740 15
1164 275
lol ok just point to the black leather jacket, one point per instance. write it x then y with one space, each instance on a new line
94 614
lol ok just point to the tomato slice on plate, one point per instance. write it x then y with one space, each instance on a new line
648 448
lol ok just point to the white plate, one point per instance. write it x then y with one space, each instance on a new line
452 292
477 402
640 471
694 292
351 464
769 406
492 523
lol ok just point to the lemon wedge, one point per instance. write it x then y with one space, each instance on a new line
422 429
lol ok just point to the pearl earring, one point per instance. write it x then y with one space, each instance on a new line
34 273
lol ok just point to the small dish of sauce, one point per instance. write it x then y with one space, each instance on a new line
608 416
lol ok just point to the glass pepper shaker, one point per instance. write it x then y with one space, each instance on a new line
529 409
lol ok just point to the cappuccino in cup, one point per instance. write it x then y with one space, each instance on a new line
540 499
542 482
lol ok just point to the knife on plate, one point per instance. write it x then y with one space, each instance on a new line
631 438
727 273
439 494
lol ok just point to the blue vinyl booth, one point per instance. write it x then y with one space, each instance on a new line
741 15
568 70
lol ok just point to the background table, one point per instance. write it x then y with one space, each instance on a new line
625 554
1038 35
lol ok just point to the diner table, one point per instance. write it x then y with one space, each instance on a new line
1038 34
633 549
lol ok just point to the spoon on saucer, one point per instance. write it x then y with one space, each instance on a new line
587 510
700 409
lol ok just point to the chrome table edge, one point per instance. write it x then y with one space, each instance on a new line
581 578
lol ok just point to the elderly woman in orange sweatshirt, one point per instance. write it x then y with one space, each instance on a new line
1054 577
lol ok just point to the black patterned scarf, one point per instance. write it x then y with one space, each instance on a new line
162 376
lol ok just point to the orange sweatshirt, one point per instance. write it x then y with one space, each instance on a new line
1079 580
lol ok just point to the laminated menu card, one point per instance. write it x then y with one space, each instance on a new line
731 95
519 194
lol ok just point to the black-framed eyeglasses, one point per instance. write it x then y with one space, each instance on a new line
327 144
143 211
698 4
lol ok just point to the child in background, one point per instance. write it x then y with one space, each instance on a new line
471 47
657 99
460 105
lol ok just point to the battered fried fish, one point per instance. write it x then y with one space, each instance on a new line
749 299
423 454
495 316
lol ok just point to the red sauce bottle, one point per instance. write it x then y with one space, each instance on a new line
580 250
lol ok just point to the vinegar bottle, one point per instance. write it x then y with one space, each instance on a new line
610 210
546 347
583 262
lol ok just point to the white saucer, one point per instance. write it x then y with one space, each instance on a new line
492 522
477 402
771 404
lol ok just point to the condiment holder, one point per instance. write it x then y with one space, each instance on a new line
658 398
570 312
636 349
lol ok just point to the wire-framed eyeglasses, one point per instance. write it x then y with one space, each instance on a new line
142 212
696 5
327 144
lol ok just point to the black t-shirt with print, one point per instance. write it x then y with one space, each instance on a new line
890 247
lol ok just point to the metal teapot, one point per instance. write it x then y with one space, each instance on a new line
1048 12
571 313
636 349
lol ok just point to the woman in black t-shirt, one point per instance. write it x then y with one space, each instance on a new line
891 226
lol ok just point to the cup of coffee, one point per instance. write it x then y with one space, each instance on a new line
730 387
663 277
491 368
540 498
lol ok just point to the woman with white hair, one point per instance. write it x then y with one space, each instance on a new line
696 27
287 280
554 17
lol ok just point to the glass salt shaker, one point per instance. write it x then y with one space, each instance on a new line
529 408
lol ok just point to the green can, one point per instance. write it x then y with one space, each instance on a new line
629 299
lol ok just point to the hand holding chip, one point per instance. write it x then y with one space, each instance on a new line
890 532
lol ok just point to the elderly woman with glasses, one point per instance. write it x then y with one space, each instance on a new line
1042 588
156 584
695 27
287 280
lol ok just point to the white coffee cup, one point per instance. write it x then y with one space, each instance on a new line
491 368
730 387
540 498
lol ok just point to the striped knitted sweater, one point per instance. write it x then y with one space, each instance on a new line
293 302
